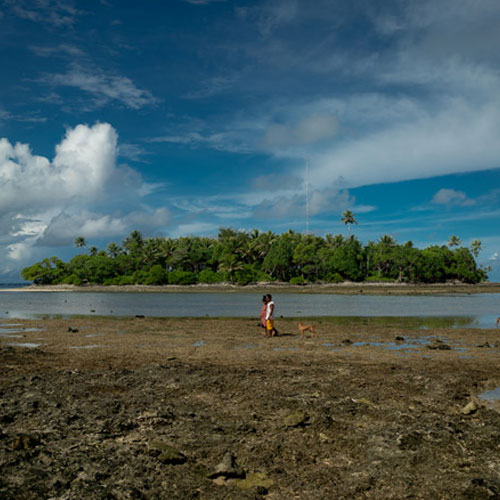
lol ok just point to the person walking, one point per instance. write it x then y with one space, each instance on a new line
263 312
270 308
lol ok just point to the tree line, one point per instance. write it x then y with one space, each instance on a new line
245 257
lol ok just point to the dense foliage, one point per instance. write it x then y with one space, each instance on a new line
246 257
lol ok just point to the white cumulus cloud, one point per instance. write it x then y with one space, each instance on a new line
84 163
79 192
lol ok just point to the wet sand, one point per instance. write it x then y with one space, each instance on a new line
148 408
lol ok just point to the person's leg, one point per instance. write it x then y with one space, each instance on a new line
269 328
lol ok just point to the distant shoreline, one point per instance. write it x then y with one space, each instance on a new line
348 288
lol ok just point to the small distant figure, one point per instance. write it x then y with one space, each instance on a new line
498 322
306 328
263 312
270 308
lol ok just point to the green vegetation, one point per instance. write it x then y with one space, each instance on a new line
247 257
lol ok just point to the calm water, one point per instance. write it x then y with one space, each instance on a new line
480 310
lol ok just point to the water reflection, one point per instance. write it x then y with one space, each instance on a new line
423 312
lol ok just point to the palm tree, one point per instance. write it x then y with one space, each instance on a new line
454 241
334 241
133 243
371 253
264 242
348 218
230 264
254 234
252 250
384 254
113 249
475 248
166 250
387 240
204 252
93 251
180 258
149 252
80 242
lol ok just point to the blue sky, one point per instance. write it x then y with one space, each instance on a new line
180 117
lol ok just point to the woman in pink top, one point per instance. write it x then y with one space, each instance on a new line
263 312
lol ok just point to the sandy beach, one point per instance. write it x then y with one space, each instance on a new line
205 408
348 288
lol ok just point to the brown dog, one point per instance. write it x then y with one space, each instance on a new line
306 328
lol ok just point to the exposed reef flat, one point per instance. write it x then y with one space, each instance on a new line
210 409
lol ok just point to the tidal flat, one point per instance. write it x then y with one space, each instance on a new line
177 408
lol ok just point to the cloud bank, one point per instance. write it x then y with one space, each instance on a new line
417 96
80 192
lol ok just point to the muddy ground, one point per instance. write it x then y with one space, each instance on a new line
210 409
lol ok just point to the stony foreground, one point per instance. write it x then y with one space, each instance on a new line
177 409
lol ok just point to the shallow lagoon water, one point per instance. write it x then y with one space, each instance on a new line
491 396
7 331
246 346
392 346
89 346
29 345
449 311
